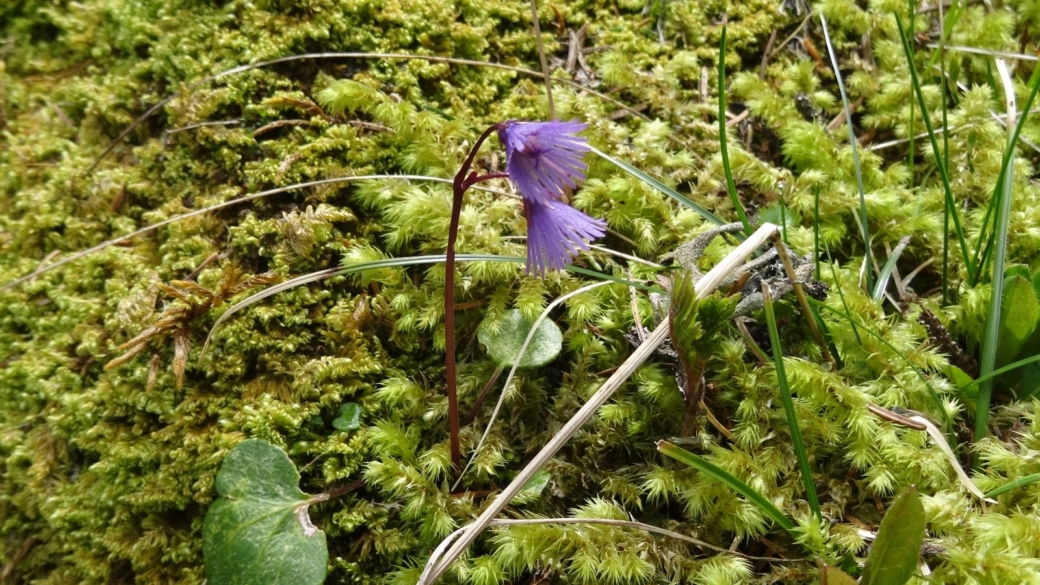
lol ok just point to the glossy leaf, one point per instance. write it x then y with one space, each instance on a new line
349 418
258 531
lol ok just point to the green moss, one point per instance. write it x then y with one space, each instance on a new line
108 471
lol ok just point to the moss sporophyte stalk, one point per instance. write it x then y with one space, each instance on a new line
278 177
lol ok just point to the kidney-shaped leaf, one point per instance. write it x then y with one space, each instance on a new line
893 556
258 531
504 340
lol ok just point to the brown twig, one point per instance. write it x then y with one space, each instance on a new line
803 302
344 490
893 417
840 118
12 565
765 55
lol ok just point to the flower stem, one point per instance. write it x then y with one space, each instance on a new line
459 186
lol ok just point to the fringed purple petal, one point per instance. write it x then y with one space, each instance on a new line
545 160
556 232
544 157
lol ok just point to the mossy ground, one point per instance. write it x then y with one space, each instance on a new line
107 473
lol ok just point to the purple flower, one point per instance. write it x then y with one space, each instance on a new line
544 159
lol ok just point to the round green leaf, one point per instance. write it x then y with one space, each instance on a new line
258 531
773 213
504 340
349 418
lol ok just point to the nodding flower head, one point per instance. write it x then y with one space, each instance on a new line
545 159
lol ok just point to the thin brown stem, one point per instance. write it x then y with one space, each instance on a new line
344 490
715 422
893 417
483 395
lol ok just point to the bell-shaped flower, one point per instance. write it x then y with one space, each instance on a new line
545 160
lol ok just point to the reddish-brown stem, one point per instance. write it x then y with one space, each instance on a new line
483 394
459 186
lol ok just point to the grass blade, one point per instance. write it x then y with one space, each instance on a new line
682 199
999 189
731 185
1001 371
881 339
946 153
1007 487
854 145
393 263
718 474
886 271
841 292
785 395
992 337
943 172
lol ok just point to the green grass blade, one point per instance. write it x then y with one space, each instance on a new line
1007 487
711 470
913 128
396 263
816 229
946 159
854 145
788 400
943 172
731 185
841 293
946 257
999 189
994 201
853 321
839 363
886 270
952 17
682 199
1001 371
991 340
